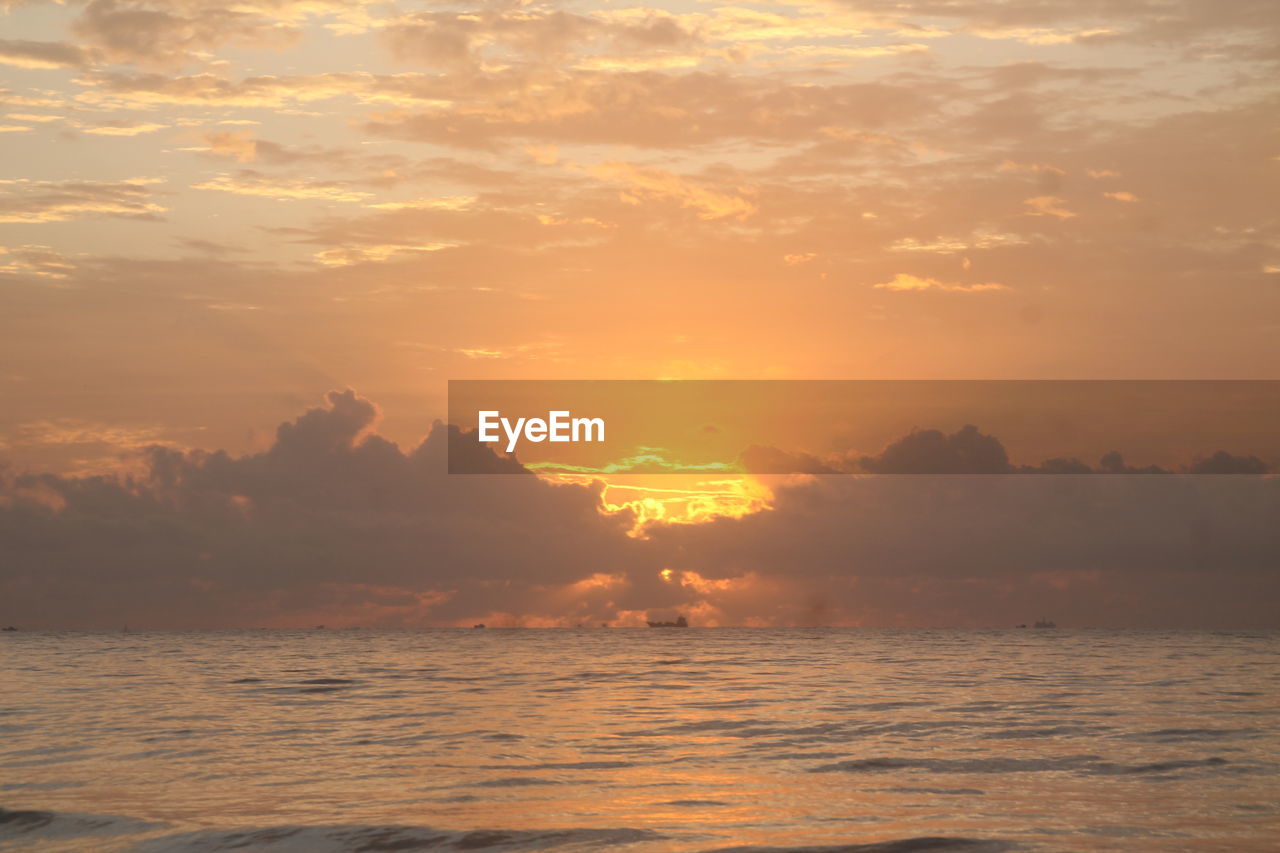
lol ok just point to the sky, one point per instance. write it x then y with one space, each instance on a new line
244 246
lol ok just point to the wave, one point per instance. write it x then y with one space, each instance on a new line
1086 764
923 844
29 827
46 830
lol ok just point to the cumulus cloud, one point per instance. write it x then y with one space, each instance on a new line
966 451
1112 551
970 451
1223 462
332 524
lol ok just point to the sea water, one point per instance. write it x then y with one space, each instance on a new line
639 739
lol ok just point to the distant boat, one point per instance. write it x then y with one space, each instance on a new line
679 623
1046 623
10 628
478 625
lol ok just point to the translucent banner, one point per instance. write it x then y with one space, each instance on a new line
865 428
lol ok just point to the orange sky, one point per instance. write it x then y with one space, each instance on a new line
213 213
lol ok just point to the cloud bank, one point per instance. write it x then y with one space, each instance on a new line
335 525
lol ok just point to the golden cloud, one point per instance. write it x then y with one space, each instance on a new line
1047 205
58 201
907 282
659 184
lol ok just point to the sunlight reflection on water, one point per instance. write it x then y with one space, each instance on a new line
654 740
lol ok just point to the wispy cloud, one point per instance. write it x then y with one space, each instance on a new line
908 282
58 201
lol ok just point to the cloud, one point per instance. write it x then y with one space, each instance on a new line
343 256
1039 35
833 54
332 523
1011 166
110 88
877 165
42 261
966 451
254 183
970 451
125 129
472 38
1122 196
1223 462
57 201
908 282
646 109
228 143
658 184
41 54
948 245
1048 206
758 459
1106 551
478 40
169 35
40 119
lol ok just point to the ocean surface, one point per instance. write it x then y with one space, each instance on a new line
644 740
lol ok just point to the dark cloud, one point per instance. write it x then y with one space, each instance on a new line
55 201
1223 462
331 523
42 54
758 459
1114 551
334 524
969 451
966 451
171 34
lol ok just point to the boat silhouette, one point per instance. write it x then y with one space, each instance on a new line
679 623
1046 623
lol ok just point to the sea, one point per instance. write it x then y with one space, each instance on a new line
699 739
